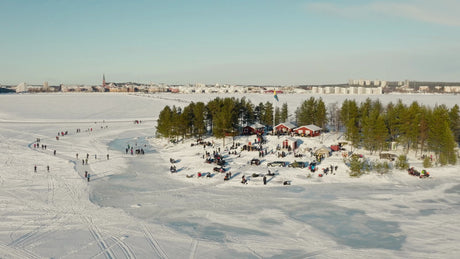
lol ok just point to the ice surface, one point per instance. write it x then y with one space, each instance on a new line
133 207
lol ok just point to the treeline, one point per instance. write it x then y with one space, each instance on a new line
223 116
368 125
417 127
226 116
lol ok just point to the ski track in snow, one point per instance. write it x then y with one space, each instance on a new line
154 243
7 251
105 249
95 232
193 248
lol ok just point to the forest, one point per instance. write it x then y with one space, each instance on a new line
369 125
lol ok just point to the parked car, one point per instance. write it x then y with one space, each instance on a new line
255 161
298 164
278 163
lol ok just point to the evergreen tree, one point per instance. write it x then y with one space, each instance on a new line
320 113
365 109
374 131
349 117
259 112
164 122
356 166
454 115
267 115
226 117
427 162
393 120
284 113
410 127
368 124
186 120
212 109
381 133
423 127
440 137
277 116
176 122
402 163
199 115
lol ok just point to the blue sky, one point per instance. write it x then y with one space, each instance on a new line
239 42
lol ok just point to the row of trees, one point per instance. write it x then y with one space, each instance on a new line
223 116
416 127
226 116
369 125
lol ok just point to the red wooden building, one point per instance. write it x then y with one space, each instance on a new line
308 130
253 129
284 128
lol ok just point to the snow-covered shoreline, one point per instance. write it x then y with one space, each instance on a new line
144 211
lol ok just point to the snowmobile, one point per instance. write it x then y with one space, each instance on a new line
424 174
413 172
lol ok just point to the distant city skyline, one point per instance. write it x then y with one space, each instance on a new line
258 42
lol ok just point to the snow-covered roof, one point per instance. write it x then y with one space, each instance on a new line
323 149
292 139
287 124
256 126
311 127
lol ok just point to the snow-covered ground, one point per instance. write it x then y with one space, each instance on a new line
133 207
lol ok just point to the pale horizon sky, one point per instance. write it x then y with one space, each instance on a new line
269 42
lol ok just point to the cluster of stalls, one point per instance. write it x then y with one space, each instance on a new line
290 131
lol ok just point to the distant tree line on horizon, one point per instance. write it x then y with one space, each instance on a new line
368 125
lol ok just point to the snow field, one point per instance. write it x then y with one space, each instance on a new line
135 208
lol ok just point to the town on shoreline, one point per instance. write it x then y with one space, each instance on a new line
352 87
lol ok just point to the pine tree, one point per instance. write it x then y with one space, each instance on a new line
381 133
349 117
267 117
393 119
454 115
440 137
320 113
259 112
410 126
423 127
402 163
199 115
176 122
277 115
284 113
164 122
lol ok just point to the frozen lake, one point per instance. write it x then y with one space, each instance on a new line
141 210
